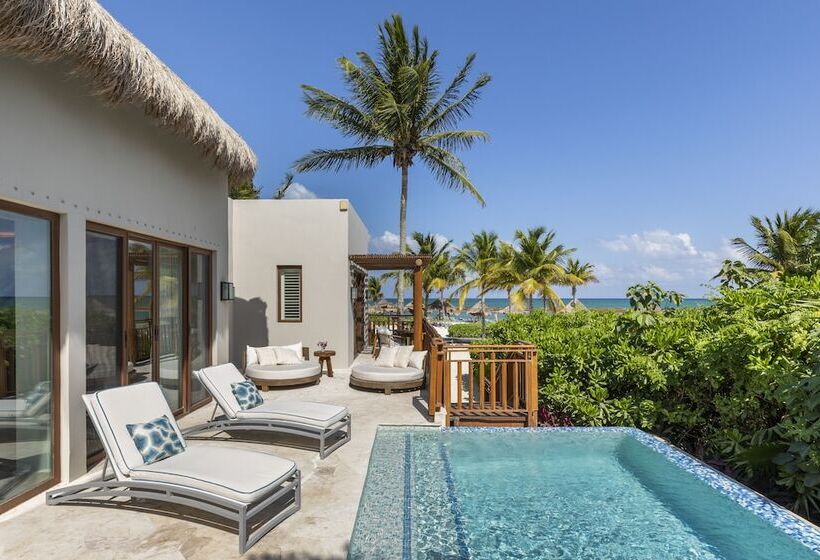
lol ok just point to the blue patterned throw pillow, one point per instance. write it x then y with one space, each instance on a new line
156 440
246 394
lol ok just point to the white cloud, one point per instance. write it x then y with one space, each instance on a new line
297 191
659 243
388 242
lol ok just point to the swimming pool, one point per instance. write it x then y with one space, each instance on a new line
601 493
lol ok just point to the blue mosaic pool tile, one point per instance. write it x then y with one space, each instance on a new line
461 534
794 526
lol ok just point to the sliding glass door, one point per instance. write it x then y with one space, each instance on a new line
148 316
28 370
199 314
104 337
170 324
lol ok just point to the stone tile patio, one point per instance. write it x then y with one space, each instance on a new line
321 530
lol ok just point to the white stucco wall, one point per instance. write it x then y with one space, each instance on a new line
313 234
64 151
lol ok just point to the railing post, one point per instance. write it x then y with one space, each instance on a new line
532 383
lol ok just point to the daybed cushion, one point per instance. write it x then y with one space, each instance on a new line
282 371
369 372
239 474
114 409
314 414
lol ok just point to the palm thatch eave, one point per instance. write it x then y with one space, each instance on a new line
121 70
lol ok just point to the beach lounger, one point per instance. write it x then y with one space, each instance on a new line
239 485
330 424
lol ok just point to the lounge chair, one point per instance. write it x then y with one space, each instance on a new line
330 424
234 484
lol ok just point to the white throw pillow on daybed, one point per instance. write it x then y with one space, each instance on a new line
287 356
250 356
387 356
417 359
402 356
266 356
290 354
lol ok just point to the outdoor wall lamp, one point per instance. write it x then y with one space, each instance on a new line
226 291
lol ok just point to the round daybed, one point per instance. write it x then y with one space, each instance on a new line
387 379
283 375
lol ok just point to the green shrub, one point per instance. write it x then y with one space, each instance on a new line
736 382
465 330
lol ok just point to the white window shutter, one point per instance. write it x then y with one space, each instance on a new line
290 297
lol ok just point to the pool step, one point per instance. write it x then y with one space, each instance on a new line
490 418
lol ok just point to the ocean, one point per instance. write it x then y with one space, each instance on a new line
590 303
497 303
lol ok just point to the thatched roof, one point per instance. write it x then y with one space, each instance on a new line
121 70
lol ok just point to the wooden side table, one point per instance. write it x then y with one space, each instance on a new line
324 358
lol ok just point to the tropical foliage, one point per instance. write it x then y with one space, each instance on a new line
397 110
736 382
373 289
786 245
245 191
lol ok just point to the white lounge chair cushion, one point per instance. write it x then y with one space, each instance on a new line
372 372
239 474
417 359
311 413
115 408
282 371
217 381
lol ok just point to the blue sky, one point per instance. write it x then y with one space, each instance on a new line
645 133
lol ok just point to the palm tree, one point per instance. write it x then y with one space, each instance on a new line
503 273
373 289
785 245
476 258
577 274
538 265
445 274
429 244
397 110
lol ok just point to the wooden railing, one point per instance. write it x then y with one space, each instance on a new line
392 321
482 384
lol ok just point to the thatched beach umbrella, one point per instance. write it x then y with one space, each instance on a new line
571 306
480 309
446 307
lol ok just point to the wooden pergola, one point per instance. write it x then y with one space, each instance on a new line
416 263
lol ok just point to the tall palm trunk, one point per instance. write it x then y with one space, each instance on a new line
402 235
441 300
483 314
574 289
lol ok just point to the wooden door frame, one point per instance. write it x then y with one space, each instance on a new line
55 261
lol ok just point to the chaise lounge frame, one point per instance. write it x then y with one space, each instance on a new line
233 510
223 423
116 485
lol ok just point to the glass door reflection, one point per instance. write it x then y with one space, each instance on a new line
171 323
141 311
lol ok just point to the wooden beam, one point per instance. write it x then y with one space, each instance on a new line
418 306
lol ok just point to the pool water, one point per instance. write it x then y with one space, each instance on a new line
600 494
